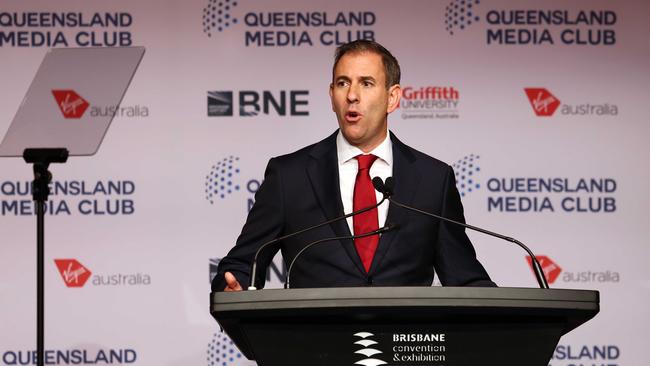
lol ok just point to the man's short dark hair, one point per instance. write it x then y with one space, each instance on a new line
391 66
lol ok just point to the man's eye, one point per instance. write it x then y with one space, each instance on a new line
341 83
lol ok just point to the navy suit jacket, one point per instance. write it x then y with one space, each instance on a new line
301 189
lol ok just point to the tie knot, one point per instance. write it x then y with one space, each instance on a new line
365 161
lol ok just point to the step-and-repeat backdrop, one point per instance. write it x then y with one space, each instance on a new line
541 108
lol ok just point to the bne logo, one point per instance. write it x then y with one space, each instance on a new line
543 102
72 105
551 269
252 103
74 274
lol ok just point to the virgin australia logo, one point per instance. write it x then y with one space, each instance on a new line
72 105
74 274
543 102
367 351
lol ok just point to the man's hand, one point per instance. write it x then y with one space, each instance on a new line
231 283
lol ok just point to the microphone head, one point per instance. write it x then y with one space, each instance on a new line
389 186
378 183
387 228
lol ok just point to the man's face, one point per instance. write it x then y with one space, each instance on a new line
360 99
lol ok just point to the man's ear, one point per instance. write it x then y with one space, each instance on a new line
331 95
394 96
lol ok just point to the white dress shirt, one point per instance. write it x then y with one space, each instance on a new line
348 168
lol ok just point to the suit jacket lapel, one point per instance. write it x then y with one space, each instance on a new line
323 173
407 178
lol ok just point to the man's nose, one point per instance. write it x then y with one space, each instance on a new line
353 94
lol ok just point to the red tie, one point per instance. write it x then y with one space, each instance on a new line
364 196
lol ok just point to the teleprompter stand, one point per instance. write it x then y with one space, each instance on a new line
52 115
41 160
371 326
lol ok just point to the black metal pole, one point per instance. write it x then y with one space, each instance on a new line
41 158
40 283
40 191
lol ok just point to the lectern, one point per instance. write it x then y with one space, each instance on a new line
371 326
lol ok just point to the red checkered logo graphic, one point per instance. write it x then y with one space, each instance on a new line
543 102
550 268
72 105
74 274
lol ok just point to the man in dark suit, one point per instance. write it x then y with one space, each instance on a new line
324 180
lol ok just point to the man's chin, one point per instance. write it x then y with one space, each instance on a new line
354 139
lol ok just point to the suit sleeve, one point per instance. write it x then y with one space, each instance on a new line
455 257
265 222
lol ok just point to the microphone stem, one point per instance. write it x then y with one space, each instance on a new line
253 272
537 268
374 232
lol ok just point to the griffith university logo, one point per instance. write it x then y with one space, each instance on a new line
222 351
543 102
466 171
72 105
73 273
460 14
367 351
429 102
221 181
217 16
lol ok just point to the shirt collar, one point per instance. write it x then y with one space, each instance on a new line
345 151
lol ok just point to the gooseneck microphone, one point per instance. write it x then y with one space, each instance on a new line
253 271
382 230
387 190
